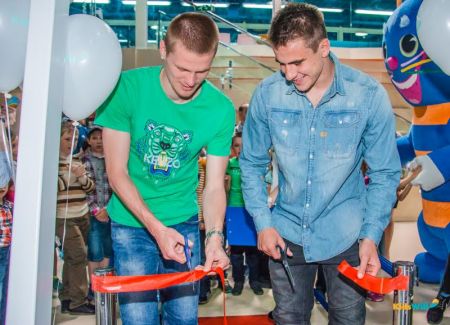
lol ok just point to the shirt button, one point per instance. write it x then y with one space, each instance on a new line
340 121
307 205
311 156
305 226
313 129
309 182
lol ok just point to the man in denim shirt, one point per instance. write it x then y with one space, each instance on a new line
323 119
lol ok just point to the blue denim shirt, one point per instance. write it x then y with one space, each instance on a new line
323 204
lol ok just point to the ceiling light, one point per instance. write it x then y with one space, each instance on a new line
269 5
361 34
149 3
257 6
215 5
338 10
374 12
92 1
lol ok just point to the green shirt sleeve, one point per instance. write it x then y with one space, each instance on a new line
114 113
221 143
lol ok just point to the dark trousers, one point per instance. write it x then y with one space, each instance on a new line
252 258
445 284
346 301
75 281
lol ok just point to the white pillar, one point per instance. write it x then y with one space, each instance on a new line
141 28
31 268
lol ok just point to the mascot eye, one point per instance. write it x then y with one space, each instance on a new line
409 45
384 50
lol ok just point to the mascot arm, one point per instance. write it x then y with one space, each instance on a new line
405 149
435 169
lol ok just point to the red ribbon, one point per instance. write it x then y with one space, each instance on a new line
133 283
372 283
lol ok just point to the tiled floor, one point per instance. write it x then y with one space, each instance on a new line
405 246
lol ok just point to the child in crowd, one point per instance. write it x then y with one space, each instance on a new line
72 224
99 236
236 201
5 234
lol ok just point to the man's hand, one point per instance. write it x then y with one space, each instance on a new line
370 263
268 240
171 244
215 254
102 215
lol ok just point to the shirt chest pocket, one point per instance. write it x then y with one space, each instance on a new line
339 135
286 128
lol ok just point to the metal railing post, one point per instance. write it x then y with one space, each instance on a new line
403 299
105 303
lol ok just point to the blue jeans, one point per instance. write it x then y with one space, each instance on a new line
4 271
346 301
99 240
136 253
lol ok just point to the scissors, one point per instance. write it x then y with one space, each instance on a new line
187 253
285 263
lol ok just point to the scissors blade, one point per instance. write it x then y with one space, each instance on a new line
289 274
187 253
284 261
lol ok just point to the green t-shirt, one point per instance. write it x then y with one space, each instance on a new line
235 198
166 139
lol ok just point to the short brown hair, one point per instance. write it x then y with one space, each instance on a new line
298 20
66 127
196 31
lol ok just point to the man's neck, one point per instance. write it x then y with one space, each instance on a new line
170 92
316 93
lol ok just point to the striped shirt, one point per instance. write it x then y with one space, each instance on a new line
72 192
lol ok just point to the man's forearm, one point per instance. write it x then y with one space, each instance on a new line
124 187
214 203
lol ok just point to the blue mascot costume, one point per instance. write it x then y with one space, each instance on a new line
423 83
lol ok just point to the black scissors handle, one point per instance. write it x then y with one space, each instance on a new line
284 261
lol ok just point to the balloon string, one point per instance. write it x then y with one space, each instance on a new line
66 209
13 171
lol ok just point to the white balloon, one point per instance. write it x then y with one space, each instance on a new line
92 65
433 29
13 42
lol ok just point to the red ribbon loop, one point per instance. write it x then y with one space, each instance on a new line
372 283
133 283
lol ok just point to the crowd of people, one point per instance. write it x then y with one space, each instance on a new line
165 161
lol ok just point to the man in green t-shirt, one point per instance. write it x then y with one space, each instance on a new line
155 124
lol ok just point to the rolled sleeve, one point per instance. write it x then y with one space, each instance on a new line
254 160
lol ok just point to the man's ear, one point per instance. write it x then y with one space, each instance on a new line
162 49
324 47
